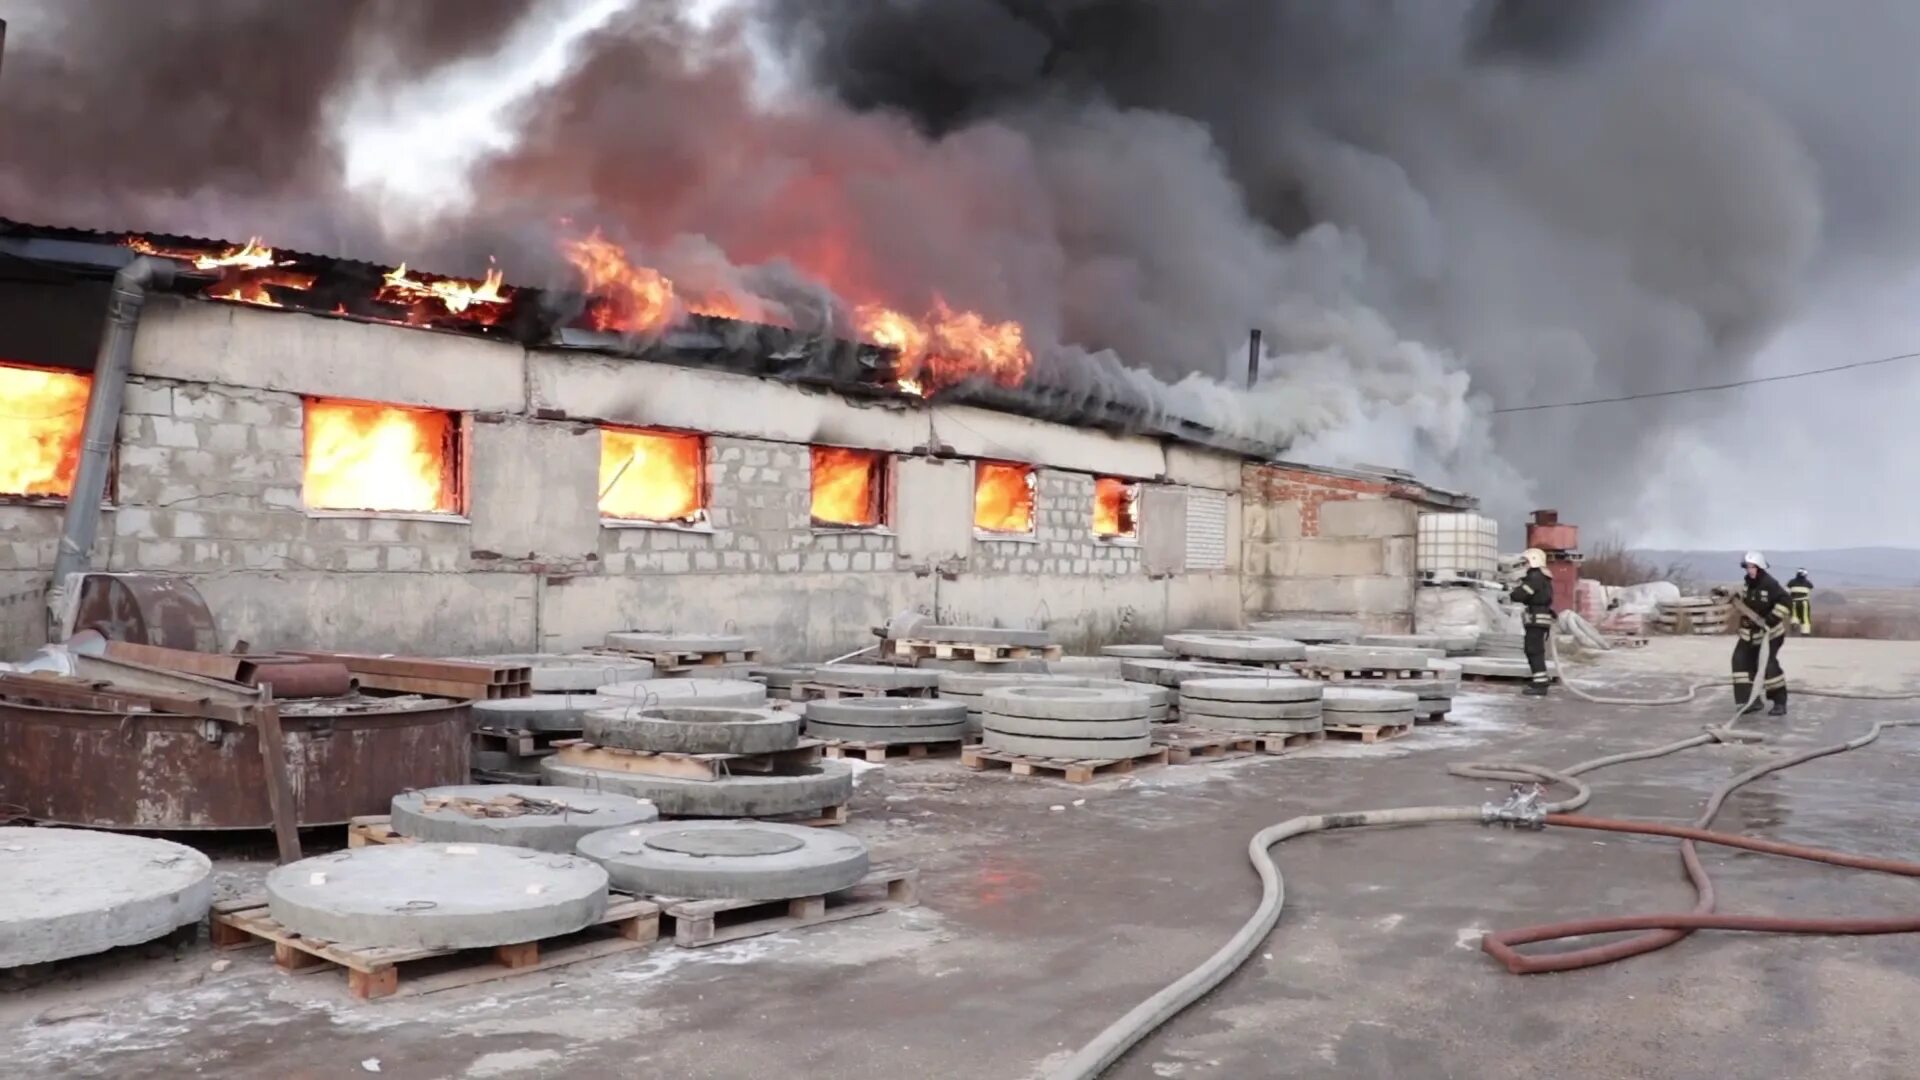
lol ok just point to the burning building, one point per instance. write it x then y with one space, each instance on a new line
338 453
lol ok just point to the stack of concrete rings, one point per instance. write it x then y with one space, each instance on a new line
707 729
1074 722
1368 708
1235 646
887 720
1267 706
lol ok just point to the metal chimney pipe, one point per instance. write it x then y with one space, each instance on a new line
1253 357
109 389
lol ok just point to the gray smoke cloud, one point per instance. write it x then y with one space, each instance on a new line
1433 209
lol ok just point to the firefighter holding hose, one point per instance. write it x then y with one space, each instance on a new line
1535 595
1768 610
1801 588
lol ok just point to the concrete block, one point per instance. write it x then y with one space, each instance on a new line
675 562
862 561
1322 557
144 459
1163 529
933 509
518 460
255 414
837 562
147 399
706 561
196 401
1374 518
159 555
254 467
1399 555
404 558
1283 520
187 525
363 559
168 431
227 438
1363 596
733 560
281 440
231 345
134 522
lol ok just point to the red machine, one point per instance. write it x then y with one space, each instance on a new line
1561 543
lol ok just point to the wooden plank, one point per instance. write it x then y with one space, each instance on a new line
699 923
273 758
629 923
882 751
686 766
1073 771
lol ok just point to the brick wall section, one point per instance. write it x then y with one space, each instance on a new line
1063 541
1270 484
760 520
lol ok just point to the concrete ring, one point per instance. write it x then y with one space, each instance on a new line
582 812
1066 703
883 712
822 784
728 860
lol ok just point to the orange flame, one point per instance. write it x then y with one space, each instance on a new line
42 412
1114 508
1003 497
650 476
364 456
481 302
247 271
625 298
947 347
848 486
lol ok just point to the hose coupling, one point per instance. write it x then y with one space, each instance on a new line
1525 808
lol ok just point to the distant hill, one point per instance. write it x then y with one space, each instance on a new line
1834 568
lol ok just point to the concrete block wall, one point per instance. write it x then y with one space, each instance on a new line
210 465
1063 541
1328 545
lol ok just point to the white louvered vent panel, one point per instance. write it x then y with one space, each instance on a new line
1206 530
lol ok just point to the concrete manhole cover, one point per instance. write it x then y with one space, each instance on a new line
737 843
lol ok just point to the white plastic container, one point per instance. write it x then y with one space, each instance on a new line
1467 545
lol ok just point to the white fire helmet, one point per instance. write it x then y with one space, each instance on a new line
1535 558
1754 558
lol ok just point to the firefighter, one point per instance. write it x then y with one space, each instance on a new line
1801 588
1772 605
1535 594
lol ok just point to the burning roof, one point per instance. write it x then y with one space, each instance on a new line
626 310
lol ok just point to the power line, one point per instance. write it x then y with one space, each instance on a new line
1715 386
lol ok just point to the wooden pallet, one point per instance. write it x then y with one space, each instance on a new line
824 818
1185 744
373 830
673 662
881 751
807 691
1074 771
925 648
1383 674
698 923
1368 733
628 924
586 755
519 742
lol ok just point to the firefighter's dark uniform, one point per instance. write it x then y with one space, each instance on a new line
1535 592
1801 589
1765 598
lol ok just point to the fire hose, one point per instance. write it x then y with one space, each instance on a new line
1527 809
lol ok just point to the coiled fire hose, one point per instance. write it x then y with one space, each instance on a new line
1659 930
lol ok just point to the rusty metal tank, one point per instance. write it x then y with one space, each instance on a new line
150 771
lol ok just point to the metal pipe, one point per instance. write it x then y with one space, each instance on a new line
108 390
1253 357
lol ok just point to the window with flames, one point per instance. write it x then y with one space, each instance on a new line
365 456
849 488
42 412
1003 497
1116 509
652 477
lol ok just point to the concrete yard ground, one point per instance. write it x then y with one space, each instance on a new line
1051 909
